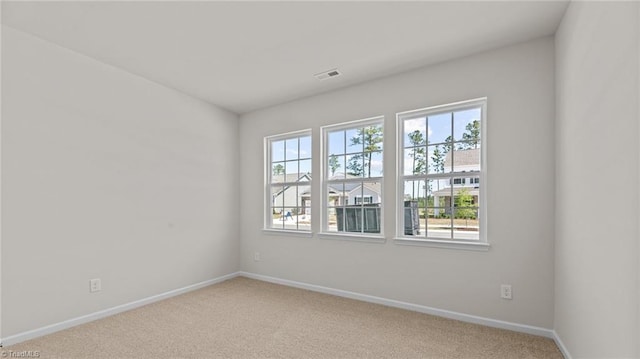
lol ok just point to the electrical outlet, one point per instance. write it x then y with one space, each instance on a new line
256 256
95 285
506 292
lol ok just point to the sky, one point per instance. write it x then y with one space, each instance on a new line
297 152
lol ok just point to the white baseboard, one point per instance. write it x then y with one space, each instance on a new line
522 328
561 346
31 334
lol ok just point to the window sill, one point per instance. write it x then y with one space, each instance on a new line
449 244
287 232
352 237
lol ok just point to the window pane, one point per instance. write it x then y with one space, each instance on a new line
291 149
277 204
289 218
437 159
332 220
415 132
439 128
277 151
355 165
466 160
291 171
372 138
304 167
414 204
277 172
304 195
304 219
466 223
369 193
415 160
414 191
375 164
358 219
305 147
413 224
439 223
438 190
466 127
354 140
336 195
336 143
336 167
291 198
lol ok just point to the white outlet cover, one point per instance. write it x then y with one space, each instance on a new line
506 291
95 285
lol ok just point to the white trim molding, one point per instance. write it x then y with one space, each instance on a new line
561 346
522 328
477 176
49 329
494 323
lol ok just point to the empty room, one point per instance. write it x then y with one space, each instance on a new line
386 179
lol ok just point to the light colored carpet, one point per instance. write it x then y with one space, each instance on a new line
245 318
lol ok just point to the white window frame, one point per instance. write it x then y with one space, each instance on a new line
268 205
401 238
366 199
324 225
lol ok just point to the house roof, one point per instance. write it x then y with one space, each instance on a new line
348 186
474 191
469 157
294 177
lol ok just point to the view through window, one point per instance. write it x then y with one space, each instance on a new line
441 170
353 180
289 182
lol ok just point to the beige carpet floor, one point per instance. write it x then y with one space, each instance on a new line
245 318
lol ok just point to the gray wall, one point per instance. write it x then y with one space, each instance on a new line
596 281
106 175
519 84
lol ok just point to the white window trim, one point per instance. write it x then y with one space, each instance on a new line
401 238
324 231
268 216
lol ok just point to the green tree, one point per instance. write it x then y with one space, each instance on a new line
333 164
463 201
418 154
448 146
371 138
471 136
437 159
278 169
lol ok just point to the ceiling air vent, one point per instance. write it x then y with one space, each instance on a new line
327 74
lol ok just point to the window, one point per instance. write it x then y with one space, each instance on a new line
364 199
352 189
440 195
288 187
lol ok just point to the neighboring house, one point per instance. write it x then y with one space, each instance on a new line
292 196
463 161
351 194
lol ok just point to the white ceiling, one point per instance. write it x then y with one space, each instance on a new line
245 56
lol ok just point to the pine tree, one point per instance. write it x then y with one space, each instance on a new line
333 164
371 137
